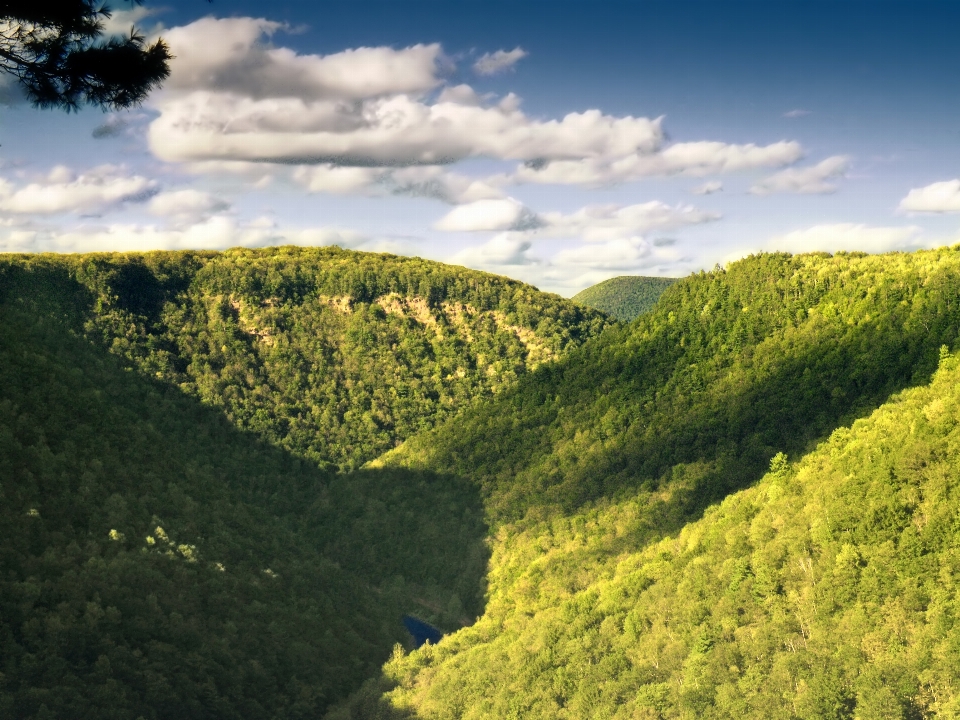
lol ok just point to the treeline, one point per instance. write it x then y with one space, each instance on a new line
590 462
331 354
157 562
625 297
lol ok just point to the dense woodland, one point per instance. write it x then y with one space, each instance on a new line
172 546
331 354
625 297
744 503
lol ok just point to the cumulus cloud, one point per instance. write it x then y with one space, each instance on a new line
439 184
688 158
186 206
594 223
938 197
708 188
570 269
215 233
501 251
808 180
361 115
497 62
63 191
335 179
500 214
381 132
847 236
622 254
228 56
604 223
121 21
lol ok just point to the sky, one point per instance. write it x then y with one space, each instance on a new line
557 142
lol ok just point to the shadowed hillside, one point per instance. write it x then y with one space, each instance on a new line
159 563
331 354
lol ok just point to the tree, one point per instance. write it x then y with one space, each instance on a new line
57 50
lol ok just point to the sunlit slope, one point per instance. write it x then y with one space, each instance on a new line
624 297
335 355
831 589
694 398
156 562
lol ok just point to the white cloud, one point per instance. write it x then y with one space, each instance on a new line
604 223
939 197
503 250
361 115
592 224
434 182
570 269
392 131
120 21
228 56
622 254
186 206
214 233
796 113
500 214
689 158
847 236
807 180
63 191
335 179
708 188
497 62
461 95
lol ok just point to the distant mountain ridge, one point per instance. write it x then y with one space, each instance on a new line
624 297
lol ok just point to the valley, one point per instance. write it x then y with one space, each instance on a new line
227 477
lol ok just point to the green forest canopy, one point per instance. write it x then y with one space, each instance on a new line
332 354
590 466
159 562
624 297
177 543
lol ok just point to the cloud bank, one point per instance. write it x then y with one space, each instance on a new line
938 197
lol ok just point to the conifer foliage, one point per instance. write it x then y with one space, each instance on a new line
57 51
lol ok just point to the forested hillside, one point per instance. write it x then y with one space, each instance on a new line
659 520
624 297
171 545
589 463
334 355
159 563
831 589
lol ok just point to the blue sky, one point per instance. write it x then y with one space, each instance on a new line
559 143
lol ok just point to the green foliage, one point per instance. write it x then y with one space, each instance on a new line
625 297
157 562
697 396
331 354
831 589
590 463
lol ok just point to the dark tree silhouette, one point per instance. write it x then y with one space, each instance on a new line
57 50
